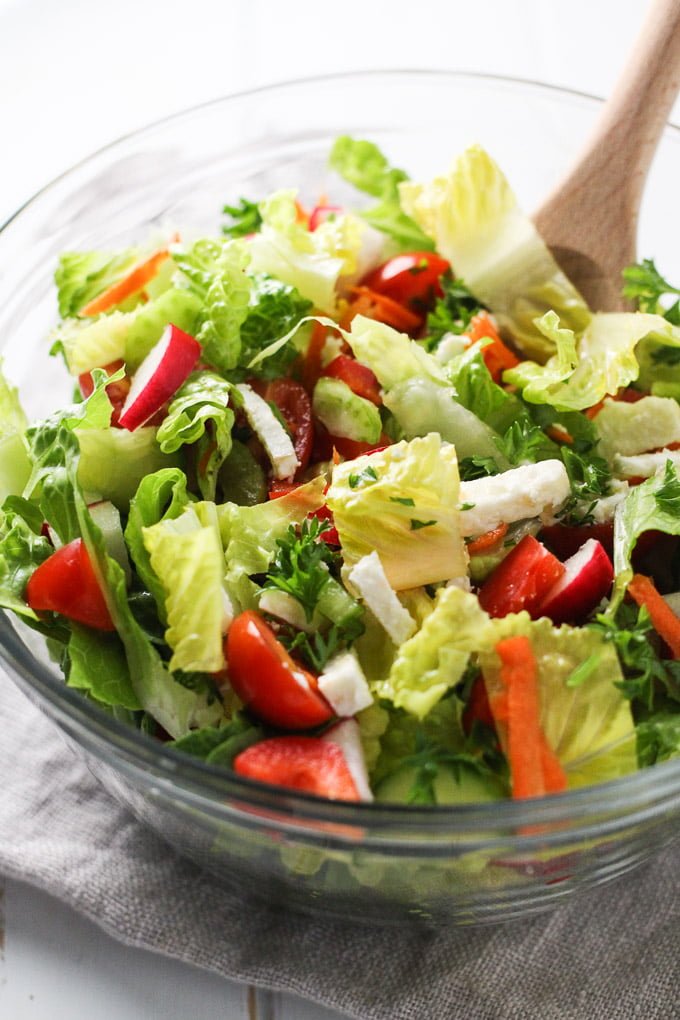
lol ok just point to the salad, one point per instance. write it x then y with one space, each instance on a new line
364 502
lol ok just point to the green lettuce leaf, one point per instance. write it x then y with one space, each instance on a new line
160 496
653 505
126 336
402 733
187 558
417 390
310 261
199 413
476 391
658 739
22 550
215 273
434 659
220 745
402 503
585 717
81 275
97 664
113 462
176 707
606 361
15 466
364 165
474 220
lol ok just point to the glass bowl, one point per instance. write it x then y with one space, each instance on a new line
440 865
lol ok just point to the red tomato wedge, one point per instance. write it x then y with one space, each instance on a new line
360 379
497 355
521 580
410 279
293 402
268 681
66 583
309 764
116 391
478 708
134 281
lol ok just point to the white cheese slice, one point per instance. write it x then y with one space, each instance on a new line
644 465
368 578
287 608
344 685
270 432
526 491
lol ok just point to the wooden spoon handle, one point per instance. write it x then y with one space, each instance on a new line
591 218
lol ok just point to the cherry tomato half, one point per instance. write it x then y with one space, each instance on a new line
360 379
521 580
116 391
66 583
411 279
268 681
293 402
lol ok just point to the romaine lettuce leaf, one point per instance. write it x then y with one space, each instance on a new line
15 466
402 503
588 723
474 220
434 659
606 361
22 550
113 462
215 273
97 665
653 505
310 261
187 558
364 165
203 398
81 275
161 496
658 738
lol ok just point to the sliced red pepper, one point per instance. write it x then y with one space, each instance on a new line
309 764
497 356
360 379
521 580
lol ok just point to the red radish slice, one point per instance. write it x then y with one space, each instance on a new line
321 213
346 735
162 372
587 578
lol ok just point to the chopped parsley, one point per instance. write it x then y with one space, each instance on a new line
365 477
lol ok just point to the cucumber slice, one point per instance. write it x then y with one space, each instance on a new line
463 786
344 413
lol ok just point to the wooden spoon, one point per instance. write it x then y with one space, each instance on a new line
590 221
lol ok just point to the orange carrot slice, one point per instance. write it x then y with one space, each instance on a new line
667 625
134 281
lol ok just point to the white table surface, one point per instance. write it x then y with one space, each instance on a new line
76 74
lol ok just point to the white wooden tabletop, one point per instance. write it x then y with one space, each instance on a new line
75 75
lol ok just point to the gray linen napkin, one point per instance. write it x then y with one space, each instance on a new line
611 954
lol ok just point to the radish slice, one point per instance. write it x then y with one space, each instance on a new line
587 578
347 736
165 368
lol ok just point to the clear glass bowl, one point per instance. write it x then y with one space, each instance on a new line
395 864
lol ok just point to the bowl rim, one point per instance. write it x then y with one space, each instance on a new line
209 784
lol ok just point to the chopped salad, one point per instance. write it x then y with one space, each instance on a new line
364 502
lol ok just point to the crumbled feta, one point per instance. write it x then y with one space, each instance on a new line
450 346
270 432
644 465
344 685
368 578
526 491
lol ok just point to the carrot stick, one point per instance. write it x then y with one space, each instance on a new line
135 280
667 625
487 540
534 766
